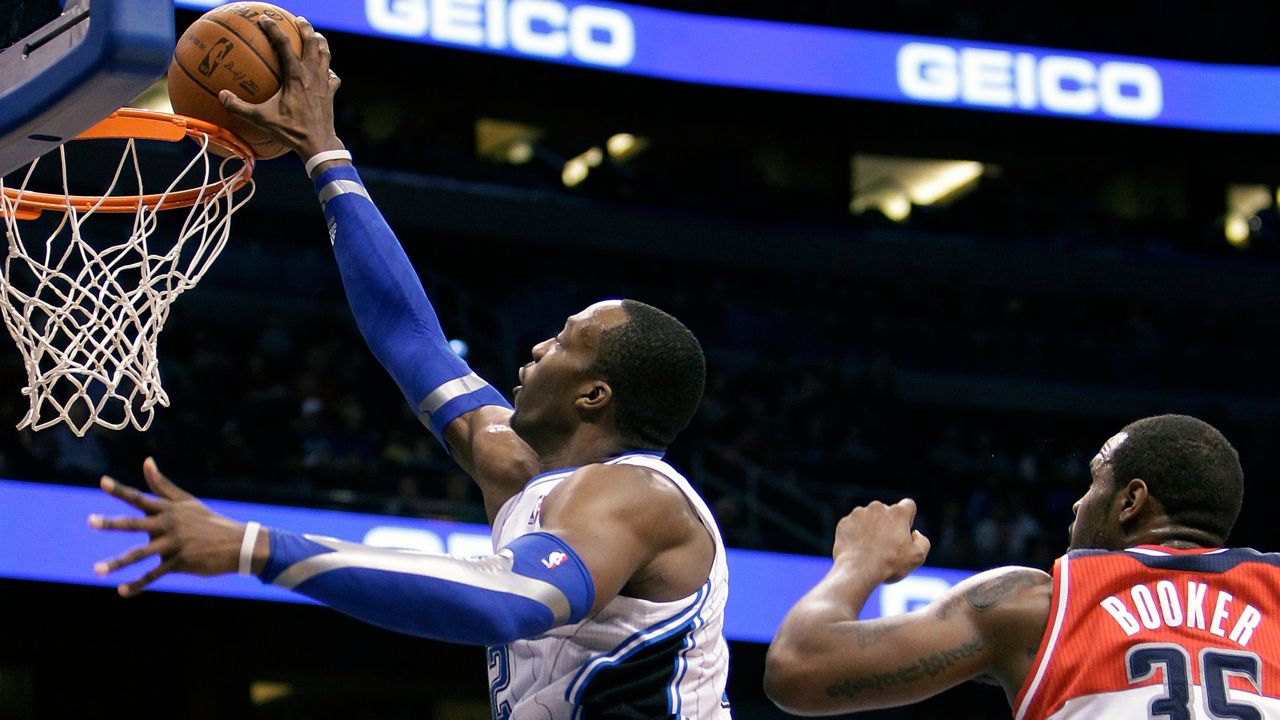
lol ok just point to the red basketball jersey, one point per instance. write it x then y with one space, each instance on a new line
1152 632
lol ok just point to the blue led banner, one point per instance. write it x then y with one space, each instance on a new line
45 536
837 62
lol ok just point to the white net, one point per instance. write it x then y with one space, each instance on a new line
86 305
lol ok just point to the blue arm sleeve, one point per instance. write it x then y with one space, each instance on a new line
530 586
392 310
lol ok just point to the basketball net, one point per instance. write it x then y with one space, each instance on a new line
85 310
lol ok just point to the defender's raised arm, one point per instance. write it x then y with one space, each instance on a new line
825 661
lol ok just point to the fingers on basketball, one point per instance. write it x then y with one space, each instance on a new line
315 48
230 48
286 54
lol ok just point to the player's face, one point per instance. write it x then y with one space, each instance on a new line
560 372
1094 526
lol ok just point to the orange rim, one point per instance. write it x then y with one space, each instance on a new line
127 123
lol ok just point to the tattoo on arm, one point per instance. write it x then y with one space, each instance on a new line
947 609
990 593
870 632
927 666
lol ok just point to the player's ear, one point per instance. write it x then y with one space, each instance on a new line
1135 499
595 396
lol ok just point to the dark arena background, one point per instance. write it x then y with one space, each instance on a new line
956 300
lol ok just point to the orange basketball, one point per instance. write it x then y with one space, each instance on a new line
225 49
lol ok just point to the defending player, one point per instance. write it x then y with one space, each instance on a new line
606 592
1146 616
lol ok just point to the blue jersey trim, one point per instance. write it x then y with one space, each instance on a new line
679 622
566 470
682 660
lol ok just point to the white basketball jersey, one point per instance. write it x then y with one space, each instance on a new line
633 659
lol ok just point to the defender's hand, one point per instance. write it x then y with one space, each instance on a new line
186 535
879 537
300 114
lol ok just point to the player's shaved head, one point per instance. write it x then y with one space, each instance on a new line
657 372
1189 467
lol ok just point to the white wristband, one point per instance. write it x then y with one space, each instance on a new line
326 156
247 545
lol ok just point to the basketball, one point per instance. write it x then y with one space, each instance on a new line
226 50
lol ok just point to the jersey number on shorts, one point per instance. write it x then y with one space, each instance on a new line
1215 667
500 667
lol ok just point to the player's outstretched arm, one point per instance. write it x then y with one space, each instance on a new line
387 299
824 661
531 585
537 582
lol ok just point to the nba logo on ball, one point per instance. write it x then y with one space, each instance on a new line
213 58
225 49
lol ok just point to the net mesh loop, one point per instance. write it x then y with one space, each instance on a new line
86 307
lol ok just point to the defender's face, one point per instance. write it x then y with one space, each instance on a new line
560 370
1093 527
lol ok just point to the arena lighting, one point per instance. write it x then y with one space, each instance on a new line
896 207
262 692
620 144
893 185
574 172
506 141
1244 202
520 152
578 168
1237 231
623 145
948 178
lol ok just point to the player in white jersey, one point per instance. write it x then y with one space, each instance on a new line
605 595
620 657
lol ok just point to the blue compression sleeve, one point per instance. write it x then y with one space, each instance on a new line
392 309
530 586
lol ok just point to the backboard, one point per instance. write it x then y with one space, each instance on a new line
79 61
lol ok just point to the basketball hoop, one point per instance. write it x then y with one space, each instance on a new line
86 312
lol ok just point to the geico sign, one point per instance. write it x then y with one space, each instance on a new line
542 28
1057 83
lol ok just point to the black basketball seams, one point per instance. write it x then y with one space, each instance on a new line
265 63
178 61
254 144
